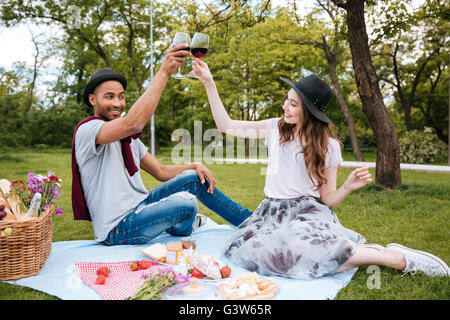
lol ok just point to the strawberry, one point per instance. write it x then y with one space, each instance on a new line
134 266
225 272
101 279
197 273
145 264
104 271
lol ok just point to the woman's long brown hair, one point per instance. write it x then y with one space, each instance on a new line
314 136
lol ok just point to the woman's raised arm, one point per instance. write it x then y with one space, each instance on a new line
238 128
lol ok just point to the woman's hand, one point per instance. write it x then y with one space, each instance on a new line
201 70
202 172
358 178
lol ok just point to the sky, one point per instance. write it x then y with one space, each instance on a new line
18 45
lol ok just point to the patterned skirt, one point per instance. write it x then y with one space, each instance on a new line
300 238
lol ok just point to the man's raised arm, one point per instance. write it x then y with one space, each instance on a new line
142 110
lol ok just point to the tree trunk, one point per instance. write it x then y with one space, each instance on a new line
429 122
339 96
157 147
407 109
79 94
387 170
403 101
32 84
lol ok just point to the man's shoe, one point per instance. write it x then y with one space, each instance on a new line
420 261
199 221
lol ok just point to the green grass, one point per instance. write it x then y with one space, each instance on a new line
415 214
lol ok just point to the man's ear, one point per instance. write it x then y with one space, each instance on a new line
92 99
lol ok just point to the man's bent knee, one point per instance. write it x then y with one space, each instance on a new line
189 201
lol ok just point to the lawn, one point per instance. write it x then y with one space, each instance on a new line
415 214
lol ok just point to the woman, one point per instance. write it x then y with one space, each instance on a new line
294 232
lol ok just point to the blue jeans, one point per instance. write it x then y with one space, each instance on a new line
172 207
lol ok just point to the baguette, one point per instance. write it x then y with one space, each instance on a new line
5 186
9 215
15 204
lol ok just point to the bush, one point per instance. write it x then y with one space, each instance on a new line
421 147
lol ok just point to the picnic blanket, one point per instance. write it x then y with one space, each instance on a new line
121 282
59 276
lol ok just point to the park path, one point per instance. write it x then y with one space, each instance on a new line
349 164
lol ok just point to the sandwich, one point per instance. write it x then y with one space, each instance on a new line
157 251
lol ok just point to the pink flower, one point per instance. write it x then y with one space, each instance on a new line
49 186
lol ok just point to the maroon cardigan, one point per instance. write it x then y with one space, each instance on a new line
80 210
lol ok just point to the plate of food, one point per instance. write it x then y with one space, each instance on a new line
247 287
205 267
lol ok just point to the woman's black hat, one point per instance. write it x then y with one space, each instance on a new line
315 95
100 76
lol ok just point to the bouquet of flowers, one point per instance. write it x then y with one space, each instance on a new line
48 188
157 283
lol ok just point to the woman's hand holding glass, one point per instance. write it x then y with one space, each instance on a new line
201 70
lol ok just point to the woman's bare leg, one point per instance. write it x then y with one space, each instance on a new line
369 256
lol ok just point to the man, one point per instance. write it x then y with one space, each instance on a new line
106 157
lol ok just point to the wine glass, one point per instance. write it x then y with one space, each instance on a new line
199 47
180 38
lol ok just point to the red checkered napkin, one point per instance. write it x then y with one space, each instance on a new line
120 284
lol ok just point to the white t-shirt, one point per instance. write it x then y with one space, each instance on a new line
286 176
110 192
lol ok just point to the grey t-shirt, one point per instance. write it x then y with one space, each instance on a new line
110 192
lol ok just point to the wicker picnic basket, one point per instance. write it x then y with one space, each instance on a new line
24 252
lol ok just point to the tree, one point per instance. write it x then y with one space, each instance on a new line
240 58
115 34
311 36
411 56
14 96
387 171
98 34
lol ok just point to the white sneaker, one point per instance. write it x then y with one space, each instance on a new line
199 221
421 261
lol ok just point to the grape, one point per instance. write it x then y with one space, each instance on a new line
2 207
2 214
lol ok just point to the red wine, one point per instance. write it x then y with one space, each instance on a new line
199 52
